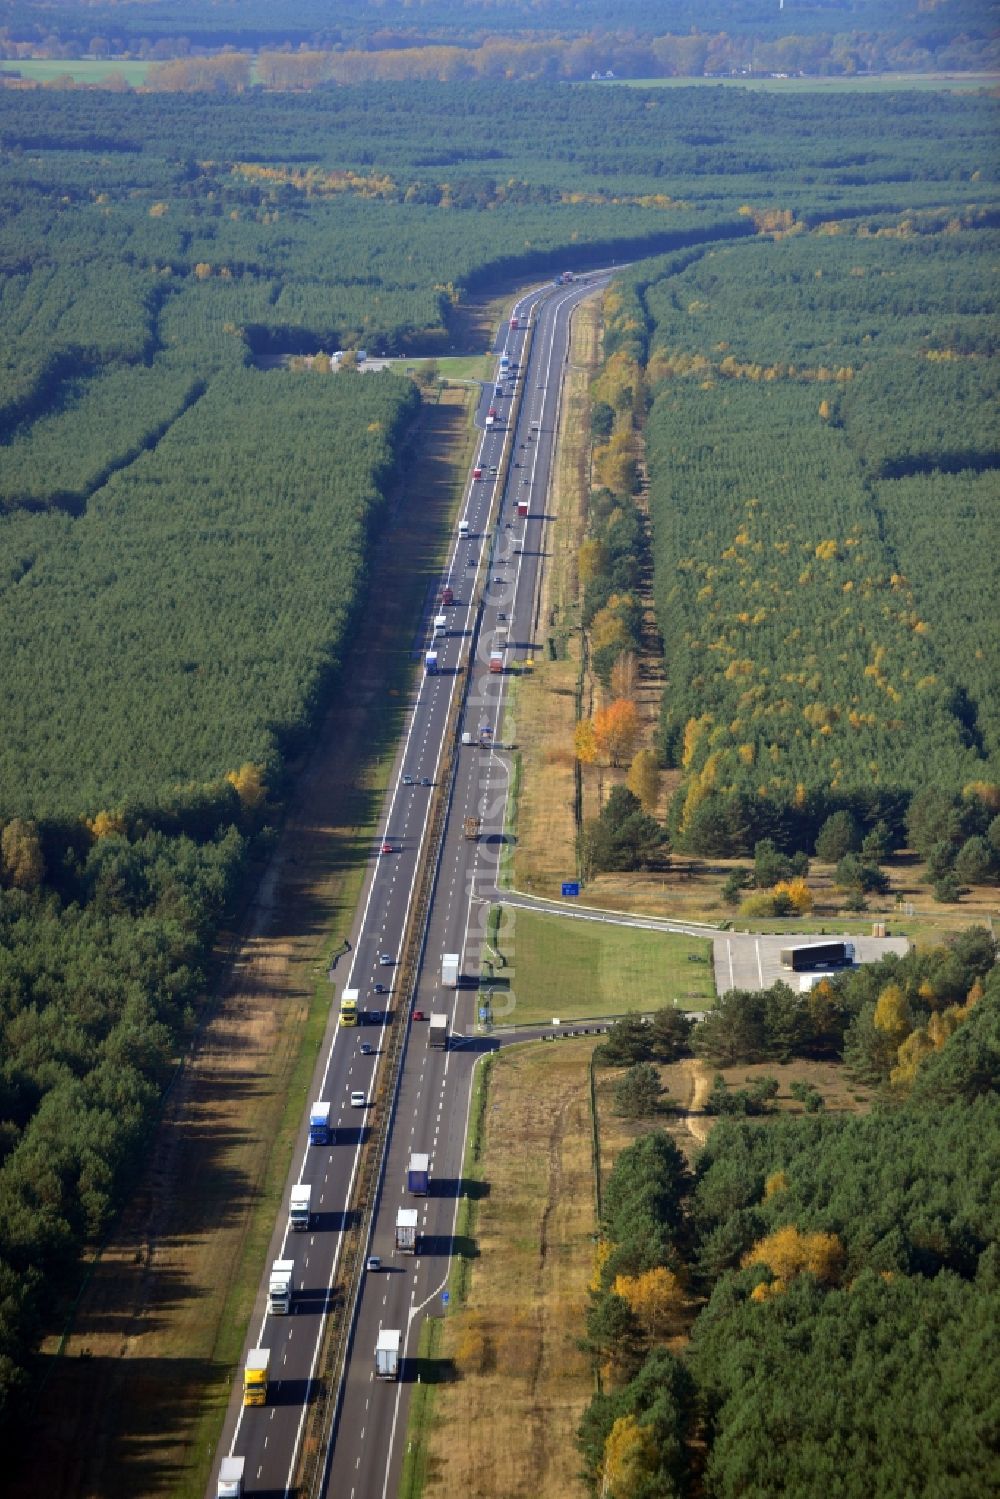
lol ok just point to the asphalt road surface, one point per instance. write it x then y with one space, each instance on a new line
430 1110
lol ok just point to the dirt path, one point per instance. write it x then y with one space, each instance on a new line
698 1124
136 1401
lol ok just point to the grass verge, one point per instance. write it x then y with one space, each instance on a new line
414 1474
581 969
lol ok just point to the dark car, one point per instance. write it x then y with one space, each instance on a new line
380 989
426 781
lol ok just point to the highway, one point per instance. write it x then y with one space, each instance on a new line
429 1107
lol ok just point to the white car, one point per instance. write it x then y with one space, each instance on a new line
358 1099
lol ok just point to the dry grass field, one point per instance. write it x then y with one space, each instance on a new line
504 1425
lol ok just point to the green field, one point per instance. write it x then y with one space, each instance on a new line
80 69
463 369
579 969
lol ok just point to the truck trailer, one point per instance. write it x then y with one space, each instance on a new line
817 955
418 1175
447 594
449 970
522 509
471 827
230 1485
387 1353
437 1031
496 661
350 1008
319 1124
431 663
406 1230
255 1376
808 981
440 626
279 1289
300 1208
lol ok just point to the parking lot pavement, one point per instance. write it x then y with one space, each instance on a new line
746 961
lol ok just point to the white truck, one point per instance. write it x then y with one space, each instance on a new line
808 981
387 1353
437 1031
463 528
230 1485
440 626
279 1289
406 1230
300 1208
449 970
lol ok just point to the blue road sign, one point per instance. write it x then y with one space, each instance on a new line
445 1297
571 887
484 1012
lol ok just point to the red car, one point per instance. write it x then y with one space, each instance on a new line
387 848
492 411
419 1015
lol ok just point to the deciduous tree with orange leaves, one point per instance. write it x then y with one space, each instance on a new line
787 1253
656 1297
616 729
584 742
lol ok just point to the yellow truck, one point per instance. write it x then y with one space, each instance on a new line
255 1377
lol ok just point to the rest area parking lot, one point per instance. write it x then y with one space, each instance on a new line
747 961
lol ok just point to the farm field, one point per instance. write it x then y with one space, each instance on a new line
579 969
80 69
